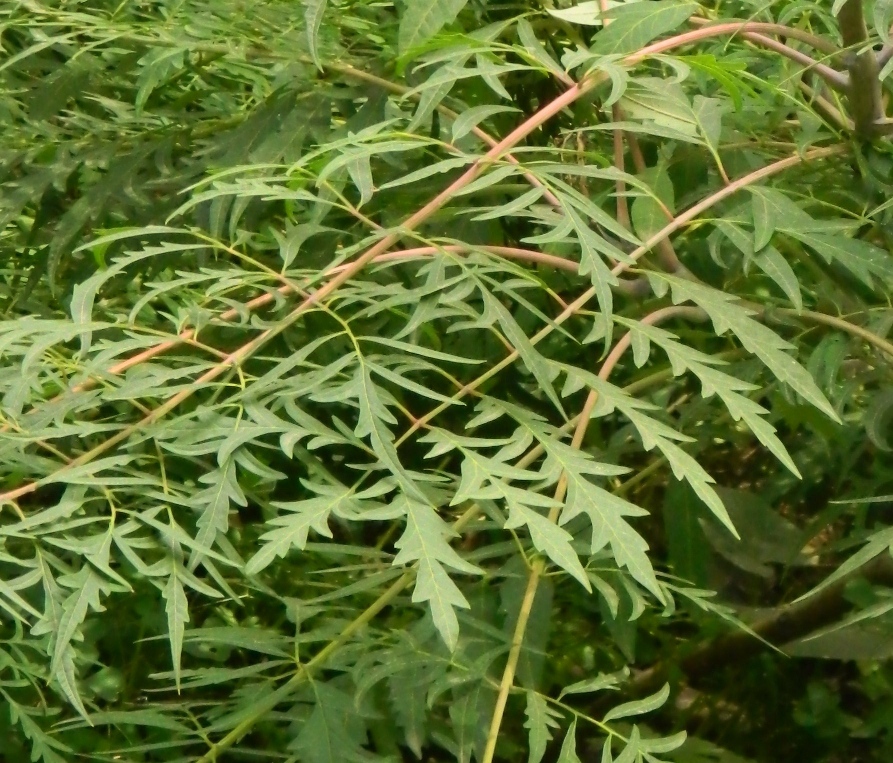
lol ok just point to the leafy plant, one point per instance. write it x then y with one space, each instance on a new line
445 380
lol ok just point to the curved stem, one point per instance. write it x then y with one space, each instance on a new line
839 323
752 31
835 79
692 212
822 44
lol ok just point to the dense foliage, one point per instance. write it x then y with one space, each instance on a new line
445 380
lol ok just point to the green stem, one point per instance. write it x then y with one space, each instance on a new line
269 701
539 564
843 325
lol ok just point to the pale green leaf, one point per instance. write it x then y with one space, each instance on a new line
548 538
589 13
470 118
422 19
763 220
424 542
293 528
314 10
599 683
756 338
634 25
568 752
640 706
535 49
177 609
223 491
540 718
774 265
538 365
606 513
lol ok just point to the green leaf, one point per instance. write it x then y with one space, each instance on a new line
601 682
872 499
589 13
708 116
883 16
157 65
547 537
726 71
686 544
177 609
634 25
862 259
591 263
654 434
663 103
334 732
424 542
88 585
766 535
360 171
540 718
216 500
568 752
538 365
606 513
308 514
640 706
43 746
763 221
756 338
534 48
774 265
877 544
470 118
371 422
646 213
422 19
314 10
728 389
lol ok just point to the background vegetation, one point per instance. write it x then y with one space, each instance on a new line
445 380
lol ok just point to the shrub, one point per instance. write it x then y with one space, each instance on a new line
450 380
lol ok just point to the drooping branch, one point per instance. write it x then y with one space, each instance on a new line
784 625
865 86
